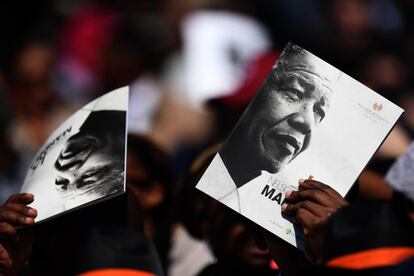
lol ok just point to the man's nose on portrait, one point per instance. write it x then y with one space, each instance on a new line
303 120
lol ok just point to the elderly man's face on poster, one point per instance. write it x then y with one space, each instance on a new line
90 164
294 102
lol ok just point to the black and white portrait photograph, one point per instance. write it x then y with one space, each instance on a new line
83 160
308 119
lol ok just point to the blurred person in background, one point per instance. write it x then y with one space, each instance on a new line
352 31
211 62
35 107
136 50
9 164
190 252
384 72
80 48
135 55
151 181
215 55
232 241
33 96
354 27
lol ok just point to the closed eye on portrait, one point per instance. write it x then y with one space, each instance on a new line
292 87
94 174
288 86
293 94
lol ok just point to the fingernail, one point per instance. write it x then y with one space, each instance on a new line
28 220
32 212
310 177
288 193
284 206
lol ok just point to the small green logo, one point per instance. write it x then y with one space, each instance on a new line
288 231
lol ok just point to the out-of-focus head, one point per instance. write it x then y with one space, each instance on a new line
351 16
231 238
195 209
149 173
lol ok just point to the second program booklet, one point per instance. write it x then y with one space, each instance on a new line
308 118
83 160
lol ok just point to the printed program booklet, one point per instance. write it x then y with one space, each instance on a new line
83 161
308 118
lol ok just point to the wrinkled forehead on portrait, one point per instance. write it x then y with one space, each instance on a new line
297 67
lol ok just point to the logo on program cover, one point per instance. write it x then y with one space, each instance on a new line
373 112
377 106
288 231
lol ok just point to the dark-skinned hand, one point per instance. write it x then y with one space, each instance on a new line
311 206
15 235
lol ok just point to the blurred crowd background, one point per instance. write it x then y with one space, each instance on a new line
192 66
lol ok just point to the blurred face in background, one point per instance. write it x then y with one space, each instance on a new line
148 191
242 244
232 241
